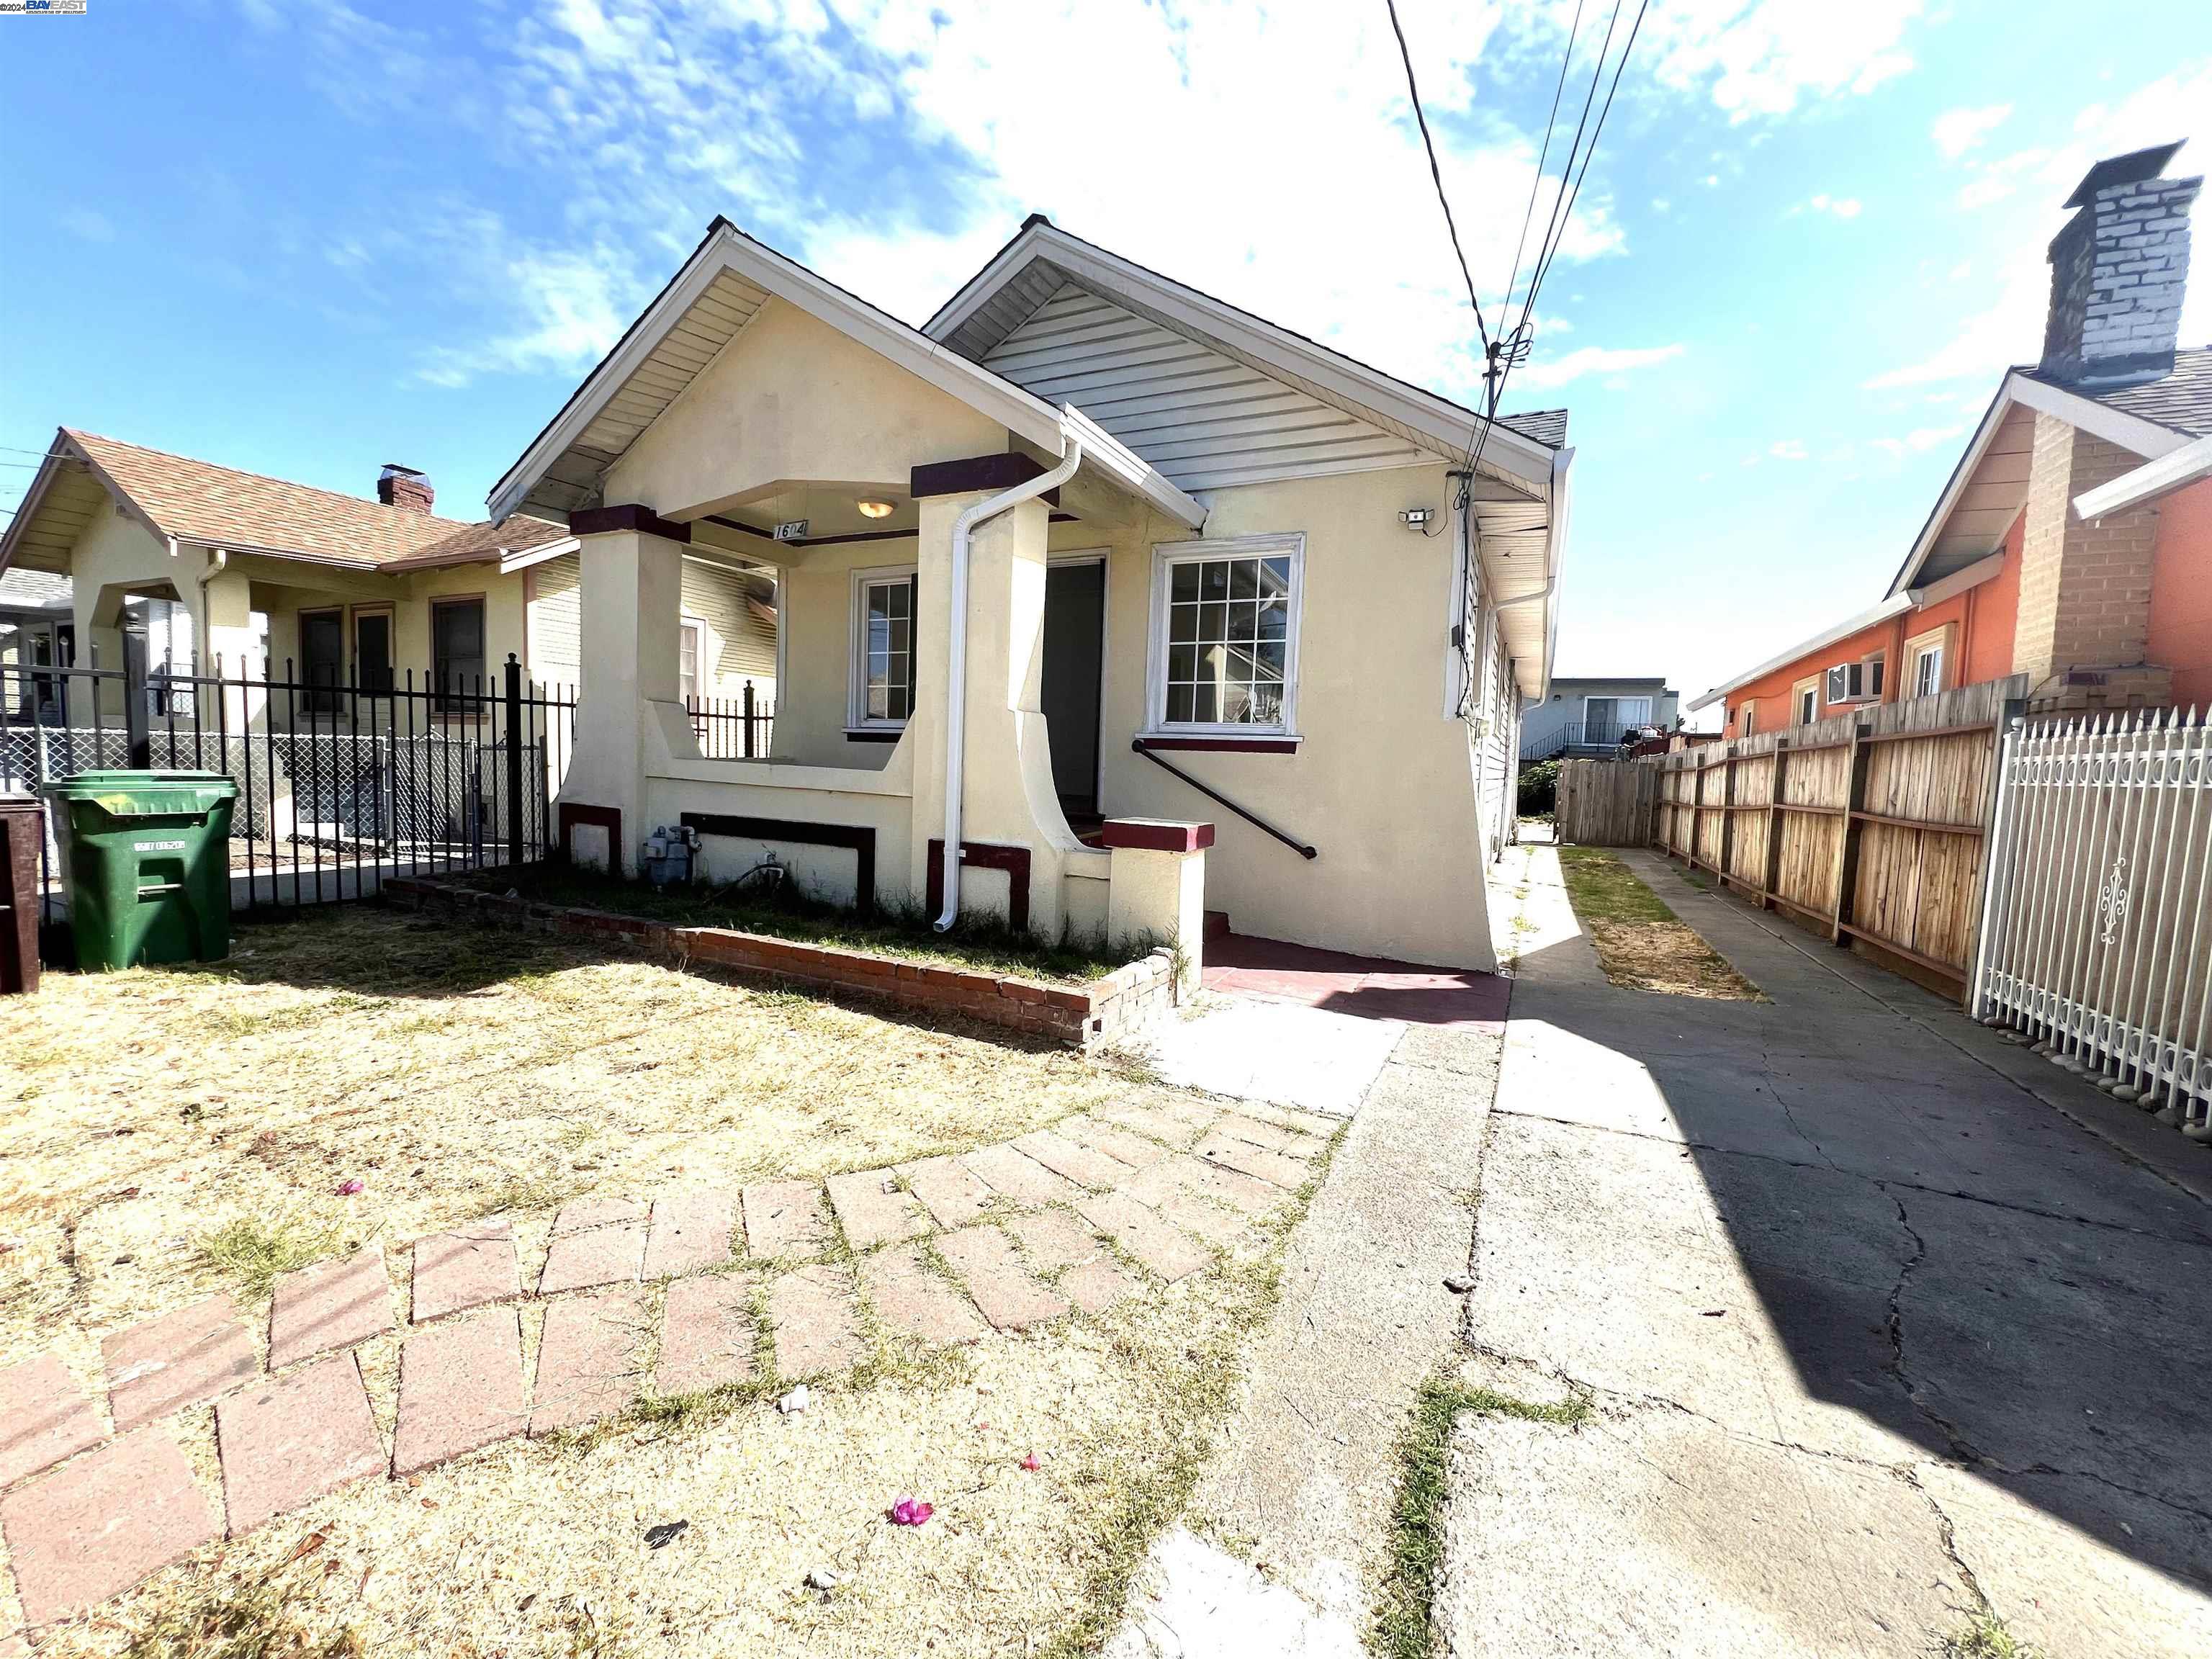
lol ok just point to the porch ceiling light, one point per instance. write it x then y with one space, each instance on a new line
874 509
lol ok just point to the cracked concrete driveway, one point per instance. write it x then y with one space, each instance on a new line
1886 1324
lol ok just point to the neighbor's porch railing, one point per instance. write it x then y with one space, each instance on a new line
337 786
733 728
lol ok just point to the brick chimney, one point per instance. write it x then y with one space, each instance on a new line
2117 271
403 486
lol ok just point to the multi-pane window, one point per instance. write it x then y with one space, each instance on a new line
457 650
1224 646
882 648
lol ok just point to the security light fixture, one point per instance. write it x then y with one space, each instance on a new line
875 509
1415 518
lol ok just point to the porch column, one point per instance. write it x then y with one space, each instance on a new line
629 601
1008 797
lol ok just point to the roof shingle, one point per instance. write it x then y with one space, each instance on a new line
2181 398
200 501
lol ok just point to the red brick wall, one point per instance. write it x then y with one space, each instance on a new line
1121 1005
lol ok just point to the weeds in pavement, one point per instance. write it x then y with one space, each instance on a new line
1402 1624
1984 1636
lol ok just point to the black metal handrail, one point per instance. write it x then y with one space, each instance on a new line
1213 794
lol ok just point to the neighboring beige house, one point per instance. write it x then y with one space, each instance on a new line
213 563
1260 591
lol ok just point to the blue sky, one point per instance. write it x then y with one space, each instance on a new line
306 238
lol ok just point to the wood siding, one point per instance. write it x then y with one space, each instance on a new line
1202 419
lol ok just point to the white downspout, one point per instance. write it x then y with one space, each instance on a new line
218 559
955 696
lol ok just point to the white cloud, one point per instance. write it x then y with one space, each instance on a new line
1919 439
1761 58
1542 374
1787 449
1958 130
1840 207
573 311
88 223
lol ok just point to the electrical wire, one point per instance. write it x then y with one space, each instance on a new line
1436 173
1519 339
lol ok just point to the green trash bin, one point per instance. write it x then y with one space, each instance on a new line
146 859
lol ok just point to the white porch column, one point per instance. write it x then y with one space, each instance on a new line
630 601
1008 799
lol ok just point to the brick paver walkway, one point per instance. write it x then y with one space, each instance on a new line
932 1252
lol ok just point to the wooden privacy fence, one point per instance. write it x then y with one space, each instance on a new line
2095 938
1869 825
1604 803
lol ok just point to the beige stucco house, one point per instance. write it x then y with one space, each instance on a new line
1091 547
214 565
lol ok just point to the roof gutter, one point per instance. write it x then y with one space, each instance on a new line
956 697
1555 548
2183 467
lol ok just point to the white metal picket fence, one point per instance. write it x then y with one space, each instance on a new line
2095 937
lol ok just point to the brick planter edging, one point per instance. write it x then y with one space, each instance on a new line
1115 1006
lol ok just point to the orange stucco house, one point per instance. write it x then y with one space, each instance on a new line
2073 543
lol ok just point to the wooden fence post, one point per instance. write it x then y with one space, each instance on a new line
1727 814
1770 879
1847 862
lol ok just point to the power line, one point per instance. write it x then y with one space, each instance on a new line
1436 173
1519 339
1536 184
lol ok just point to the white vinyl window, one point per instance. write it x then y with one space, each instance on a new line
883 649
1928 669
1809 701
1223 659
691 657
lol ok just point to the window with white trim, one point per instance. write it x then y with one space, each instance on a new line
1925 655
1224 637
1807 695
691 656
883 649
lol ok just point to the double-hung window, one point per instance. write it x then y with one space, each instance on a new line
882 697
1224 637
457 654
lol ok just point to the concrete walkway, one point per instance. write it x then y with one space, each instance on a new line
1886 1325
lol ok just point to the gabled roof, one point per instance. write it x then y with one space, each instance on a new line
180 499
2151 418
705 305
1042 257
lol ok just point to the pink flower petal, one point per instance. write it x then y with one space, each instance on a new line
347 1189
1030 1463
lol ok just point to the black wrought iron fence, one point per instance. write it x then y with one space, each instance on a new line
338 787
733 728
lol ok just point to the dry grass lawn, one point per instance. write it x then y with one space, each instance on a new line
164 1133
1640 944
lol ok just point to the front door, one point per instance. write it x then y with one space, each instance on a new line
1074 642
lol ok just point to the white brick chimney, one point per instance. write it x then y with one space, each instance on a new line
2117 271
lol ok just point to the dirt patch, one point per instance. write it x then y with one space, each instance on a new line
1668 957
1641 943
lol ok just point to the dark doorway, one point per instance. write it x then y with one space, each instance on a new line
1074 642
